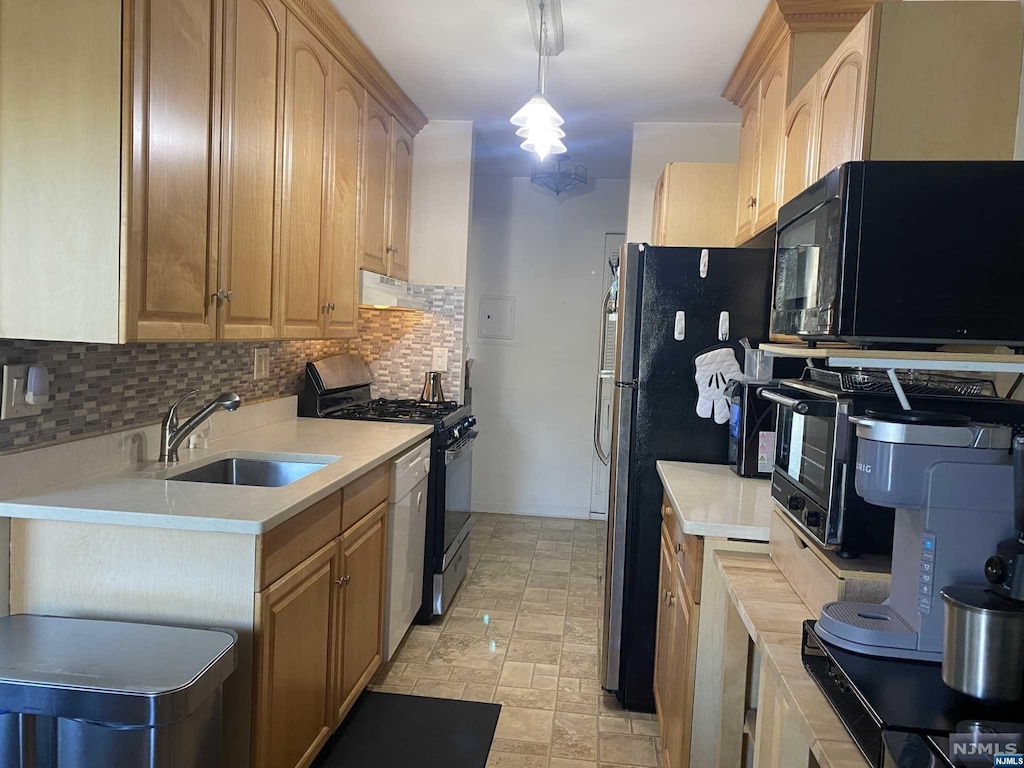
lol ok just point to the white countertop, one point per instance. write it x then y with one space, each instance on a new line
140 495
712 500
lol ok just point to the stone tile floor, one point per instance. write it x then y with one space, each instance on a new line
525 632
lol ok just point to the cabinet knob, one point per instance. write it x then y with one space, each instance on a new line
330 307
671 600
223 295
679 547
323 309
343 581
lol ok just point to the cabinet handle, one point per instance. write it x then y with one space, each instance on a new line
223 295
343 581
679 547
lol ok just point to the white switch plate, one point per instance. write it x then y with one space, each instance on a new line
12 403
439 360
261 363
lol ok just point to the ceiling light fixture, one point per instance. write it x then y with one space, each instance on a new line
558 175
537 120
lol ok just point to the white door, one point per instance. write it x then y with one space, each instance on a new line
604 385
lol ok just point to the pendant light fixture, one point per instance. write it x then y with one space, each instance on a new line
539 123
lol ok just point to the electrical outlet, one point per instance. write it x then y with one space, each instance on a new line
261 363
439 360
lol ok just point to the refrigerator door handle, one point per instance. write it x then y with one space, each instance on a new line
599 419
627 384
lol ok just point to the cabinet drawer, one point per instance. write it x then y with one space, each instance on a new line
287 545
364 495
688 549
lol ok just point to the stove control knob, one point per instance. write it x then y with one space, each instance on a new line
813 519
795 503
456 432
471 421
997 570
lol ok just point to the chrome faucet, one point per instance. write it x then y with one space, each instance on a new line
172 435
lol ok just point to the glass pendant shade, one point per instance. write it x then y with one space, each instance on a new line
537 111
544 143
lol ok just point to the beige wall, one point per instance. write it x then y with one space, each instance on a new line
657 144
442 192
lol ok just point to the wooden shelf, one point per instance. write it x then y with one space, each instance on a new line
853 357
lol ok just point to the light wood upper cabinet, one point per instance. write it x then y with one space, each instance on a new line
378 142
362 551
295 663
188 150
746 210
347 102
253 127
693 205
774 90
307 130
175 153
842 101
401 197
800 164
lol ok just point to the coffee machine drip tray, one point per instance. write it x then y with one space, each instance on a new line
895 708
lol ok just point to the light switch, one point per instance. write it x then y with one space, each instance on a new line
439 360
13 404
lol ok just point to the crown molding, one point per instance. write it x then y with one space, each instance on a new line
782 18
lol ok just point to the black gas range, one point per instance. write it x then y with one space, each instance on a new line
338 387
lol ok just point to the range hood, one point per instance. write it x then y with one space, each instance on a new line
380 292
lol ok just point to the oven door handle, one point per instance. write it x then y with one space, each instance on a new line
803 407
463 446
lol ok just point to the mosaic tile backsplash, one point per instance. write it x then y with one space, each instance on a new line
97 388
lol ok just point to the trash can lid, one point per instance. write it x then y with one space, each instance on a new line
110 671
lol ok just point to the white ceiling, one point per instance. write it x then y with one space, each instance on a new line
625 61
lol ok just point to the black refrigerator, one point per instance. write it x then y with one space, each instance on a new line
675 306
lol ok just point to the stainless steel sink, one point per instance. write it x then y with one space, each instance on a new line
261 472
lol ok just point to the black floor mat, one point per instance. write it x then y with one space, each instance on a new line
390 730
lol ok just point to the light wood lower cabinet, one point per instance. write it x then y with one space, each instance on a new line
362 552
676 656
319 628
294 663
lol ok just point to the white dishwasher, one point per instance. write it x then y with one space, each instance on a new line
407 531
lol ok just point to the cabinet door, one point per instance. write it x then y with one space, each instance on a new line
377 142
253 125
745 211
842 100
363 555
683 644
347 101
662 648
294 663
306 132
401 196
800 167
175 113
772 115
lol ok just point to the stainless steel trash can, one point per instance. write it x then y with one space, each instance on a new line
80 693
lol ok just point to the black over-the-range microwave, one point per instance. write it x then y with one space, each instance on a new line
913 252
